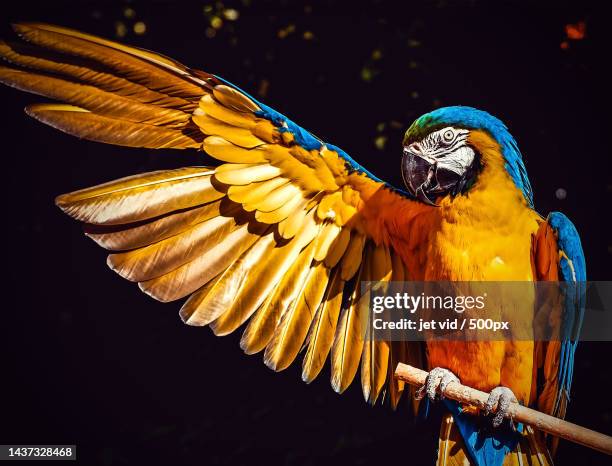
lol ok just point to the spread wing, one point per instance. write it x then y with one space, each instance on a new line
558 256
278 237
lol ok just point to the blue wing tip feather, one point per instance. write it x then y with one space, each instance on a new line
569 242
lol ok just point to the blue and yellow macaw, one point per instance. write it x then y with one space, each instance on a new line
280 235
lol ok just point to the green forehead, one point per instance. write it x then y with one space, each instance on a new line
422 127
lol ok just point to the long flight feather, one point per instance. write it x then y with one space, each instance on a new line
296 320
140 197
262 325
322 331
263 278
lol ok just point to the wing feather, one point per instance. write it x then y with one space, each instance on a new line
348 342
140 234
295 320
282 233
323 329
141 197
79 70
262 326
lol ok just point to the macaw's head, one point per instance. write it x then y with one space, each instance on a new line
446 150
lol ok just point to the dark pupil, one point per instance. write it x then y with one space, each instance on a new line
448 136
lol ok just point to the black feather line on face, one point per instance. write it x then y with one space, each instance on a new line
468 179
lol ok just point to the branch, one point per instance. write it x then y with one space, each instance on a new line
536 419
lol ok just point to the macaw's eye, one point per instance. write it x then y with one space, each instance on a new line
448 136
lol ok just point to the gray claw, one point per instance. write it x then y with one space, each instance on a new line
502 396
436 382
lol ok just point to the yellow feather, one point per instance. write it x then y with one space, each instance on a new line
254 192
93 99
262 279
375 358
296 320
234 99
289 227
88 125
140 197
138 235
189 277
213 127
246 175
398 351
328 235
381 265
353 256
228 167
224 150
141 53
326 206
276 198
323 329
138 65
31 58
338 247
282 212
261 327
209 303
166 255
216 110
348 342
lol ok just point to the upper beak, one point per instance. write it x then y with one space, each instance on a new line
419 173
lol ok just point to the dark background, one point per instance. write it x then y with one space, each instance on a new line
90 360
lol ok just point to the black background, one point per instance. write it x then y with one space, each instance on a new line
90 360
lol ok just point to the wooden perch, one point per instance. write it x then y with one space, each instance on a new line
536 419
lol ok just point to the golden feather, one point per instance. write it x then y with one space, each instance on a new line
137 235
254 192
169 254
328 234
87 125
219 112
213 127
353 256
209 303
290 226
282 212
140 197
375 357
322 331
247 175
187 278
263 278
261 327
35 58
225 151
276 198
126 61
296 320
348 342
93 99
234 99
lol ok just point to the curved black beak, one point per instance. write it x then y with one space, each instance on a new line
420 175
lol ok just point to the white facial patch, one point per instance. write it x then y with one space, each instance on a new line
458 161
448 148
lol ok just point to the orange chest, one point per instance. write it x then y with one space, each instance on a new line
480 251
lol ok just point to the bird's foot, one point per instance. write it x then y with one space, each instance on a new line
502 396
436 382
